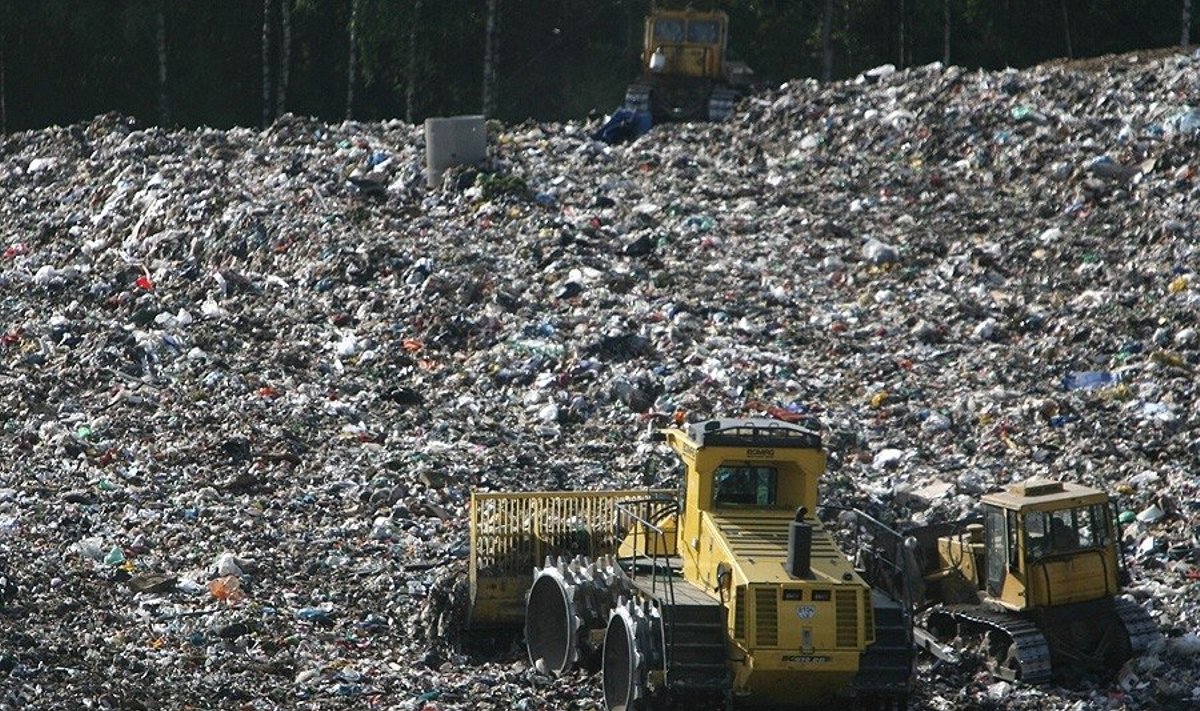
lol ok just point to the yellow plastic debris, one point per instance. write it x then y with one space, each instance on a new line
1168 358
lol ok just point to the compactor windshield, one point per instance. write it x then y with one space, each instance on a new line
744 486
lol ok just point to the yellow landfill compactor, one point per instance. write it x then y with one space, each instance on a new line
727 588
1035 580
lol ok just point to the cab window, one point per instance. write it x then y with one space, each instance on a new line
744 486
702 32
1100 525
1036 540
668 30
1011 527
1063 531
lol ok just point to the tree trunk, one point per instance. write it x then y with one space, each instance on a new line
903 39
827 41
1185 37
846 28
410 91
164 104
3 89
1066 27
285 56
266 64
352 68
1007 15
489 60
633 31
946 32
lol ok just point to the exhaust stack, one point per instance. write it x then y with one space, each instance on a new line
799 559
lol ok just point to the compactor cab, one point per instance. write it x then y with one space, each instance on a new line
686 73
1038 576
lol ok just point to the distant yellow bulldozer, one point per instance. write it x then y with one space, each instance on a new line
728 587
686 72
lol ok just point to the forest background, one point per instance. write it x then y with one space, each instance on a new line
244 62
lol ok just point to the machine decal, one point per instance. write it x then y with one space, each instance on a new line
806 658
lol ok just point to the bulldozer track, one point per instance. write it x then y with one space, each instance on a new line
637 98
1032 649
888 663
720 104
1138 625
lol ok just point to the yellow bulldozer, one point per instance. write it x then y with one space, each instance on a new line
728 587
1034 583
686 71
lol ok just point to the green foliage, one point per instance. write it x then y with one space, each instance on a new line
500 186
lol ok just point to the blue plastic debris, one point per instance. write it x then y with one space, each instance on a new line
314 614
624 125
1088 380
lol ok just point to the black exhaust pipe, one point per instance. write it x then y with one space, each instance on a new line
799 560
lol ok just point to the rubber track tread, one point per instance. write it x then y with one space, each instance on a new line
720 105
1138 625
1033 651
637 97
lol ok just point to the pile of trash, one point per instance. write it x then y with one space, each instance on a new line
249 378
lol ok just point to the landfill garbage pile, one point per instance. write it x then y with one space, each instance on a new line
249 378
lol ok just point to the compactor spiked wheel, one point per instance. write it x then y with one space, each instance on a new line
631 646
567 601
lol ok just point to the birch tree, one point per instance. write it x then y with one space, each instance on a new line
489 60
6 9
3 88
946 32
1185 37
1066 28
352 64
827 41
266 64
160 37
410 89
285 56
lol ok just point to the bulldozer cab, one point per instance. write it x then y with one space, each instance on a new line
685 43
1046 543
